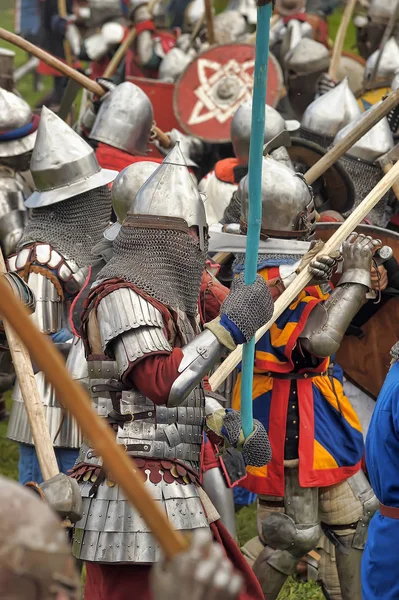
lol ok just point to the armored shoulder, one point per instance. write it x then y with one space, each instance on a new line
130 327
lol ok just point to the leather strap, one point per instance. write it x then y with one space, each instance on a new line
389 511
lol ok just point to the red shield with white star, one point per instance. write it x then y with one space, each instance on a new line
215 84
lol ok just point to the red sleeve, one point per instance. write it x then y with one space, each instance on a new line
212 294
153 376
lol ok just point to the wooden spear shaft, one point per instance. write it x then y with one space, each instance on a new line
340 39
30 394
119 54
301 281
75 399
209 21
62 11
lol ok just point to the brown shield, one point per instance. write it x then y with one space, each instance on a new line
365 359
215 84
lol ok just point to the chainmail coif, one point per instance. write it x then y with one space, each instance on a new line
72 226
365 177
232 212
167 264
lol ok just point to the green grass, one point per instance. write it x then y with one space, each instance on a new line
246 522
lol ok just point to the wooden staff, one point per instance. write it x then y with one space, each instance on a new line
209 21
302 280
340 39
30 394
62 11
52 61
119 54
75 399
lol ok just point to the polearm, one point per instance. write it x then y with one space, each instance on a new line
31 397
75 399
264 11
302 280
52 61
340 39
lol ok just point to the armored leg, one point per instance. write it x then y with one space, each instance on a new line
288 536
222 498
347 509
265 506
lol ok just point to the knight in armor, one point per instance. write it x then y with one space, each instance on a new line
146 362
151 45
18 133
122 130
314 481
220 183
35 557
70 209
370 28
380 559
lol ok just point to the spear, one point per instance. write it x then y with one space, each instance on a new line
264 11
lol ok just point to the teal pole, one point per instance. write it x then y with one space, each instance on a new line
255 195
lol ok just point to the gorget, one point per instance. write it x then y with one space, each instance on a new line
166 264
73 226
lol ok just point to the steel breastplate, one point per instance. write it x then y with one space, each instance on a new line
145 429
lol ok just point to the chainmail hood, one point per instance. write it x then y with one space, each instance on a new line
72 226
365 177
161 259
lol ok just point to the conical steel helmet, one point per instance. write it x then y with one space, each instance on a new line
172 192
124 190
15 114
125 119
376 142
388 63
331 112
63 165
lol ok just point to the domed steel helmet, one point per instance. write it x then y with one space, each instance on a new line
172 192
240 129
125 119
15 114
35 557
124 190
287 203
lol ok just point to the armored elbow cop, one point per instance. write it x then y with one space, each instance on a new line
21 291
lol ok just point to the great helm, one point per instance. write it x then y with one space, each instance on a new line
63 165
15 118
124 190
240 129
387 66
125 119
329 113
287 203
171 192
